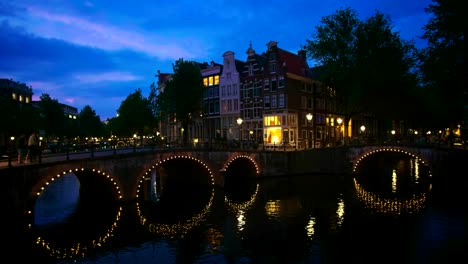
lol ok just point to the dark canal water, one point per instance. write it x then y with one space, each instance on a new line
388 211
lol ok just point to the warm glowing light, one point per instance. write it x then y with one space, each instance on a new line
339 120
309 116
239 121
275 139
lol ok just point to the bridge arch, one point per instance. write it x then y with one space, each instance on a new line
230 163
105 179
159 169
366 152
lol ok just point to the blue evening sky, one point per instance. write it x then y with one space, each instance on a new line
98 52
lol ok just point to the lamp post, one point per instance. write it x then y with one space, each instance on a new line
239 122
340 121
363 129
12 141
309 117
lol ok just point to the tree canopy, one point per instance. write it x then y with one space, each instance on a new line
368 63
182 95
134 115
444 61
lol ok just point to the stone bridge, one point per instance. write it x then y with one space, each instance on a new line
125 176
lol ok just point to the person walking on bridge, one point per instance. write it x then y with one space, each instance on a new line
21 147
33 147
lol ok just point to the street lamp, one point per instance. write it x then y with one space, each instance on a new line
340 121
363 129
239 122
12 140
309 117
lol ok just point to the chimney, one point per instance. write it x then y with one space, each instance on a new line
303 54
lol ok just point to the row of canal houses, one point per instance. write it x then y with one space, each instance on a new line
273 99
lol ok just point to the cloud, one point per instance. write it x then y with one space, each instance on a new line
81 31
106 77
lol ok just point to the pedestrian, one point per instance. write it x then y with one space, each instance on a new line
33 146
21 147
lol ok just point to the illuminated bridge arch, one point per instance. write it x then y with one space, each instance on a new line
95 186
164 168
92 181
372 151
241 164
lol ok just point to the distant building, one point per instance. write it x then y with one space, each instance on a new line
18 91
230 96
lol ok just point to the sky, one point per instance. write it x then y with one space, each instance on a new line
97 53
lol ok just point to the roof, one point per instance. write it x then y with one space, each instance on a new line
294 63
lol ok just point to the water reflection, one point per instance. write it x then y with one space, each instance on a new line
290 219
393 185
175 214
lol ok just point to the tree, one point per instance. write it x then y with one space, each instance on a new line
369 65
135 115
444 61
52 116
90 124
182 95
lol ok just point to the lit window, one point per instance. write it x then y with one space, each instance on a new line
210 80
216 80
205 81
21 98
14 96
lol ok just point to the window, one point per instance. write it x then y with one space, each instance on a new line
234 89
210 80
303 102
281 82
257 109
229 108
205 81
272 121
266 84
229 90
223 90
216 79
272 67
274 101
223 106
267 102
250 69
236 105
274 85
281 100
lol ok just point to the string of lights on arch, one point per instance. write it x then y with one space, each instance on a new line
357 162
181 228
79 249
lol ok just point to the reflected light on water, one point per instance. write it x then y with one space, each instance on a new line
340 211
394 181
310 227
272 208
240 215
394 206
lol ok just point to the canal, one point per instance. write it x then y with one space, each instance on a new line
390 210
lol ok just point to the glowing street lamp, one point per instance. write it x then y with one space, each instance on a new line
309 117
239 122
339 120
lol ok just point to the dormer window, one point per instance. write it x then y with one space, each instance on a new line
250 69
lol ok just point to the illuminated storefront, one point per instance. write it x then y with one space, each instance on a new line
279 129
